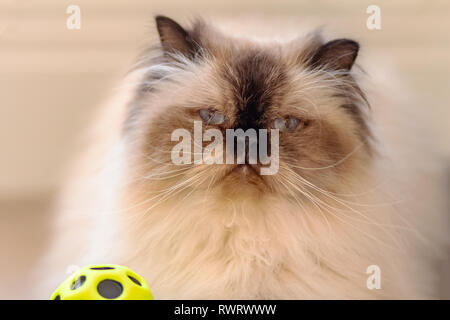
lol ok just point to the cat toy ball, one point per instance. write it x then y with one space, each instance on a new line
103 282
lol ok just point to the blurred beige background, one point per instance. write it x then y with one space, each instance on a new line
52 80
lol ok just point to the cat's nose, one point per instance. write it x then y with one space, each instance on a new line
246 169
248 154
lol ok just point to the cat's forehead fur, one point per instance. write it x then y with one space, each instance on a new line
257 80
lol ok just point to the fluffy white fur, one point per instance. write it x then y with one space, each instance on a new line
261 248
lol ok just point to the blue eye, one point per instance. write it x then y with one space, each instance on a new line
287 124
212 117
293 123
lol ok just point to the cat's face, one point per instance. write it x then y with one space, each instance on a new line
304 89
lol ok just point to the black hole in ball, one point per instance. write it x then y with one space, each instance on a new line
101 268
78 283
58 297
134 280
109 289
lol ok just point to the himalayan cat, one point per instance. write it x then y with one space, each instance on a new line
355 190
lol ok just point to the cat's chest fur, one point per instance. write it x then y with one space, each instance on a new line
200 245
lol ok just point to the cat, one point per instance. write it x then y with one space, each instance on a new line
354 189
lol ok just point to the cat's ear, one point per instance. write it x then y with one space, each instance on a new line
174 38
338 54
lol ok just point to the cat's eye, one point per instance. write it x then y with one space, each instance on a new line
212 117
287 124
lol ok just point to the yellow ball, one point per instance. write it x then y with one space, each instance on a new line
103 282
